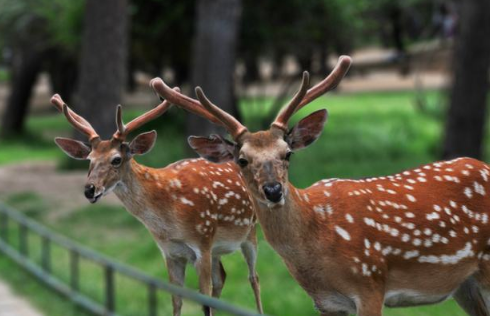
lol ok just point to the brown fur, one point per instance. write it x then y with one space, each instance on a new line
195 210
396 241
354 245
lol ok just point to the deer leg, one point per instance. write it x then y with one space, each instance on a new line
218 276
176 274
470 299
371 304
249 250
203 266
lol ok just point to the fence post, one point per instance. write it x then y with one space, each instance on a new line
109 288
46 254
4 227
74 270
152 300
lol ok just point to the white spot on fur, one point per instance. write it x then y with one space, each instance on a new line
186 201
411 198
461 254
468 192
479 188
342 232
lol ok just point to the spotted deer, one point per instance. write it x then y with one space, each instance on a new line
196 211
412 238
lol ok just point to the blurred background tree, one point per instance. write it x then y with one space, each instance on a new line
38 35
103 63
222 46
465 126
214 57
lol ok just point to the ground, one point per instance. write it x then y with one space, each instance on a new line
63 190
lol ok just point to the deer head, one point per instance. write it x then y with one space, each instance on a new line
263 156
108 158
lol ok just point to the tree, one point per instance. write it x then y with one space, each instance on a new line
467 109
103 62
214 57
37 33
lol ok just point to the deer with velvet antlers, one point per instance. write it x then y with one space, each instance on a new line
196 211
412 238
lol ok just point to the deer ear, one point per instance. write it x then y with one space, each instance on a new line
143 143
213 148
307 130
73 148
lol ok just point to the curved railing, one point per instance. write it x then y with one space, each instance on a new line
43 272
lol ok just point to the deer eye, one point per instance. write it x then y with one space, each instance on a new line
116 161
288 155
242 162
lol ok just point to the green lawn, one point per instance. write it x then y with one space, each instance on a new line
367 135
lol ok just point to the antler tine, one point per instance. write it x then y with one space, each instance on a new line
329 83
183 101
87 130
235 128
283 117
58 102
123 130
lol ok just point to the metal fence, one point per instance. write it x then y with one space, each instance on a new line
42 271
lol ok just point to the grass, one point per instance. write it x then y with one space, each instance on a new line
4 74
367 135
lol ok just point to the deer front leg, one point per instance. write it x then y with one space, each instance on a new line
371 303
470 298
203 266
249 251
176 274
218 276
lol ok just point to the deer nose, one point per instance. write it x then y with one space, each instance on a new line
89 191
273 191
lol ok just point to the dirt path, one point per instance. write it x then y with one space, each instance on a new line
13 305
63 191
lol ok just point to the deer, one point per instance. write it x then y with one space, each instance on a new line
195 211
356 245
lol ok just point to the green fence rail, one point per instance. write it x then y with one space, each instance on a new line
43 272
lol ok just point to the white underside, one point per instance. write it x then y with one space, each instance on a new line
403 298
191 253
398 298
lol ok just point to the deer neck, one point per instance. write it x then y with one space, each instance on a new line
136 188
284 225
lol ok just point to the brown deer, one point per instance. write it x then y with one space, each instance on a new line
195 210
412 238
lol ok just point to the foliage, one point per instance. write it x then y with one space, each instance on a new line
50 22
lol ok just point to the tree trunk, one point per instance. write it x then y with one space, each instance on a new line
214 55
25 71
103 63
467 112
63 72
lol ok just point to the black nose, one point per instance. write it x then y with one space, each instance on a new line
89 191
273 191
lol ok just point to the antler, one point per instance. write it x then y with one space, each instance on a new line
203 107
304 97
285 114
183 101
235 128
123 130
76 120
